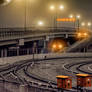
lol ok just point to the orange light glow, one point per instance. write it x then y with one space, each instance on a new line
66 19
56 45
83 34
60 46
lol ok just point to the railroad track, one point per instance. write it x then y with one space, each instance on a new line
18 67
78 67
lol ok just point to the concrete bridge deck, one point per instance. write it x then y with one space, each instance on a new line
13 34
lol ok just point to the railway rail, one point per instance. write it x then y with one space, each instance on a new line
78 67
22 66
15 68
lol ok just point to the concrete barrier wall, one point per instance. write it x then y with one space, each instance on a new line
11 60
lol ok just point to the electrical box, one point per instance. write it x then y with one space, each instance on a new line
83 80
64 82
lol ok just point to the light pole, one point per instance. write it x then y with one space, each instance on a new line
25 14
89 25
40 23
83 24
72 16
77 17
54 8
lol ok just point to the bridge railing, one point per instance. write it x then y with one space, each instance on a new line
34 28
13 33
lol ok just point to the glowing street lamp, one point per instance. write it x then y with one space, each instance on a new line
83 35
57 47
89 24
40 23
4 2
61 7
78 19
54 46
71 16
60 46
78 16
8 1
52 7
83 24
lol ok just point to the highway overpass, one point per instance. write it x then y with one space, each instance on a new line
13 35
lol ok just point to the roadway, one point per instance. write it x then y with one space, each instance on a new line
12 35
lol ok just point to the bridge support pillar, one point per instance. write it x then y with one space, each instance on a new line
85 49
44 46
34 48
66 35
45 43
17 51
27 51
2 53
5 52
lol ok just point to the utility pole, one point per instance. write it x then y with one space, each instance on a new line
25 14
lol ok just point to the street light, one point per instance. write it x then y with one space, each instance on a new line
60 46
25 24
82 34
71 16
77 17
89 24
4 2
40 23
61 7
8 1
53 7
83 24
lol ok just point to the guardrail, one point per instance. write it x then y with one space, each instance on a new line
16 33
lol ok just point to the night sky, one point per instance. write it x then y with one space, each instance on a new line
12 15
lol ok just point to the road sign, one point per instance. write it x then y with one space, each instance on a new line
66 19
21 42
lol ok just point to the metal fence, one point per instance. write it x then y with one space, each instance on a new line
21 51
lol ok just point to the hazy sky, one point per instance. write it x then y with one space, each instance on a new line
13 14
